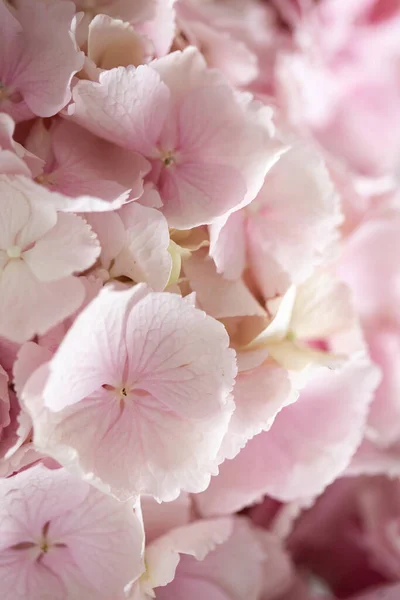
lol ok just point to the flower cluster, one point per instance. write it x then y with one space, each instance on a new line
199 299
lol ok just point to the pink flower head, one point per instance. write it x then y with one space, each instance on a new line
210 147
40 251
64 540
38 58
138 377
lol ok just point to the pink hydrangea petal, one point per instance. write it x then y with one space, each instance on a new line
177 372
300 210
42 305
15 213
196 539
11 161
42 215
145 458
323 307
89 523
304 460
383 425
233 570
69 247
85 165
146 257
228 245
111 233
30 357
196 193
372 459
259 395
44 36
369 267
173 335
229 298
114 43
185 71
106 108
161 27
78 370
161 518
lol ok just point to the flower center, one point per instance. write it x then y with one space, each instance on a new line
121 392
4 93
46 179
42 546
168 158
14 252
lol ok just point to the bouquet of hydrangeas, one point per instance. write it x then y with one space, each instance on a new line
199 299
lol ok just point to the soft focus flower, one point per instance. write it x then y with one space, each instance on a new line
61 538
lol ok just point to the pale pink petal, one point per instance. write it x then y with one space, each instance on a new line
161 518
29 306
69 247
292 212
44 57
10 160
128 107
195 539
295 459
179 363
99 540
232 571
130 449
153 375
278 572
15 213
259 395
4 400
383 419
8 354
222 50
150 197
228 298
145 256
83 165
195 193
115 43
322 308
111 234
185 71
370 269
135 12
30 357
79 369
228 245
42 215
160 29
